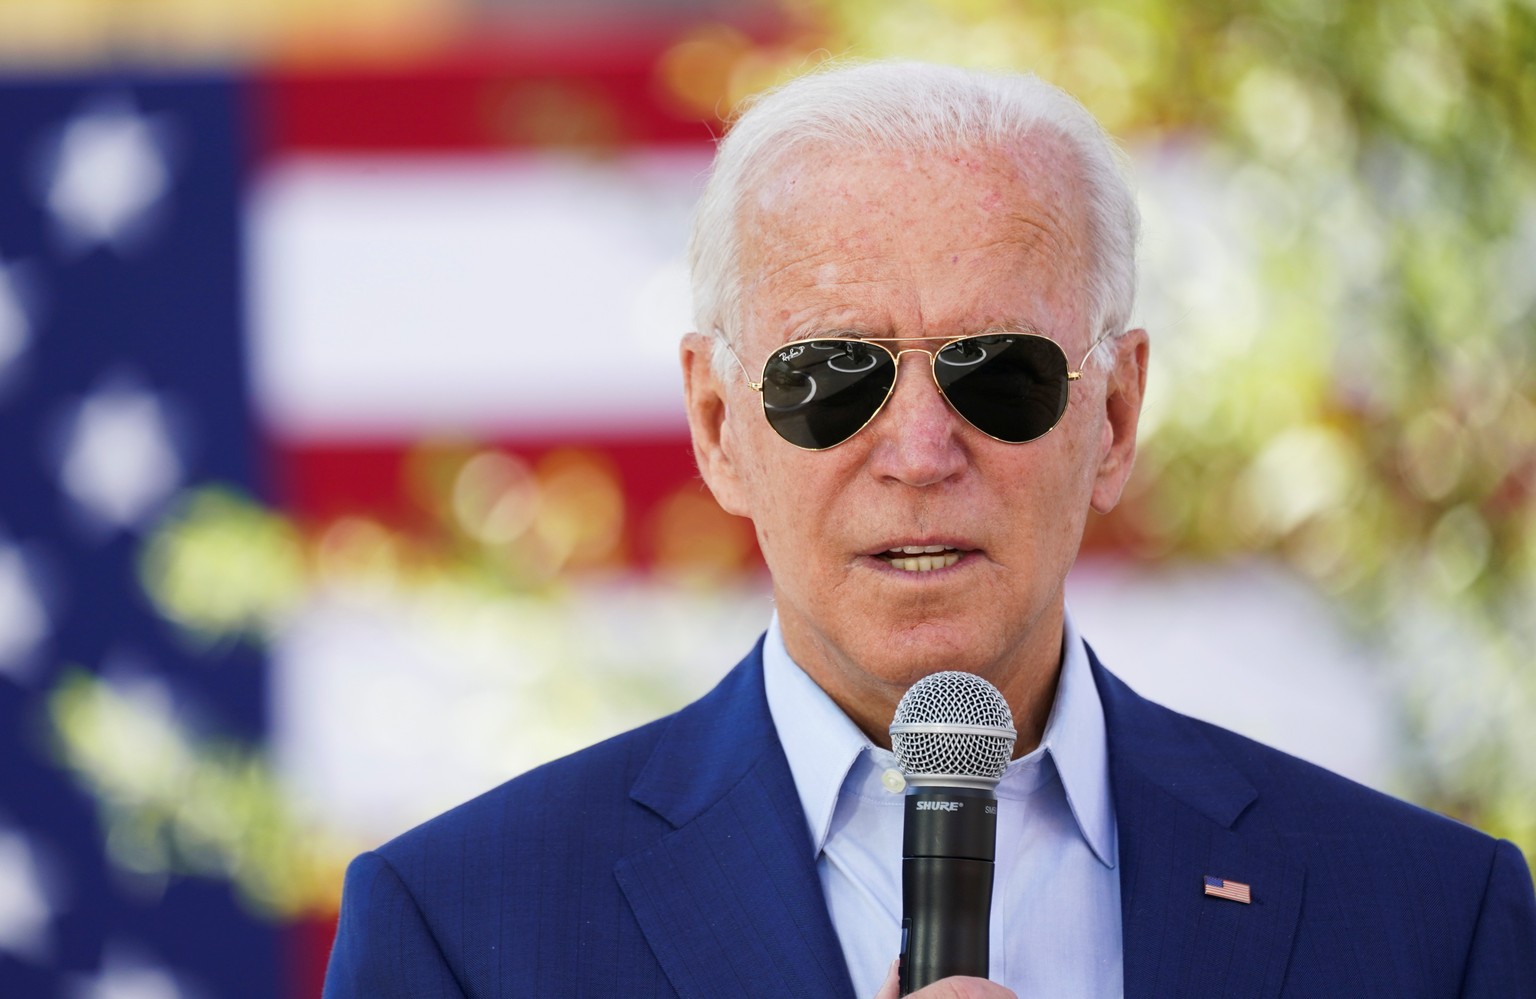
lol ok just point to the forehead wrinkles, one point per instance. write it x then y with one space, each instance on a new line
784 240
1022 201
1054 222
1033 182
1040 232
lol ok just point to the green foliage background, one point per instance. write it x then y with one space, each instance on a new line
1346 382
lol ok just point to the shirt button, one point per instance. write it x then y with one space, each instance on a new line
893 781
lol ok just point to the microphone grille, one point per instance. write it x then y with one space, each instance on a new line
953 724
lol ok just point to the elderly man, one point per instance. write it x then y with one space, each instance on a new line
915 377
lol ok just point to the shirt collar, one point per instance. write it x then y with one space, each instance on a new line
822 744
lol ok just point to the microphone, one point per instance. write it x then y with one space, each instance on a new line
952 735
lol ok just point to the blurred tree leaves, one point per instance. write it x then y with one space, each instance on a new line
1339 271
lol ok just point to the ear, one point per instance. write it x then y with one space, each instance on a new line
714 441
1125 386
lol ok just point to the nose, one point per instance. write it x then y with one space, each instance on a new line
917 435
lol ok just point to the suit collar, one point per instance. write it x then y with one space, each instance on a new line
710 745
729 900
1184 811
1169 751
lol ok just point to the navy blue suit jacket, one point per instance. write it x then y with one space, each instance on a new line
674 860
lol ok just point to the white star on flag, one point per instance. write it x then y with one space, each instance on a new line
110 172
15 331
119 463
26 911
23 622
125 975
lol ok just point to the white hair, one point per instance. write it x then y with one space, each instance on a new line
910 106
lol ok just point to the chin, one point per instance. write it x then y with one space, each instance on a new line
928 650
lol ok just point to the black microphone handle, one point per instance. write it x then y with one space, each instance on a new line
949 840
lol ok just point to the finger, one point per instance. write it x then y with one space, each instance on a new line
963 988
891 987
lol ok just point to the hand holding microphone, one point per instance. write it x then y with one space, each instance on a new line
949 988
952 735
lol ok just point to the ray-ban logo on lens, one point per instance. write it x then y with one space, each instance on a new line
938 806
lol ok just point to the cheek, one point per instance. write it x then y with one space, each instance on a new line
1081 431
1048 493
793 499
765 484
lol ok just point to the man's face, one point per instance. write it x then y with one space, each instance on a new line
933 246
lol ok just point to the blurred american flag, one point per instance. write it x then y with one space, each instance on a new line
282 283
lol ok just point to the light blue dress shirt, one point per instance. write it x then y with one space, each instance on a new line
1056 894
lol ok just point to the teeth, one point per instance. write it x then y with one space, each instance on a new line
927 561
922 558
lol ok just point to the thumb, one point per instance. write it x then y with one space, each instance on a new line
891 987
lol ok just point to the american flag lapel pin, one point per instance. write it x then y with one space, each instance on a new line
1234 891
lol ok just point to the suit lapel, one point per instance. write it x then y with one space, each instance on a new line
730 901
1179 806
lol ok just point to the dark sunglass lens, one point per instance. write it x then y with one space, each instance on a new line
1010 386
819 393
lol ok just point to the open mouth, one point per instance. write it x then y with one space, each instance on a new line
921 558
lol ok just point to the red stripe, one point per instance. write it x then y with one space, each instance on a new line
318 481
1230 890
536 91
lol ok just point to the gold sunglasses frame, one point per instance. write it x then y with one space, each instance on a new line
896 356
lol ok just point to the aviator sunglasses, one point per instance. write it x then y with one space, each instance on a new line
1010 386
